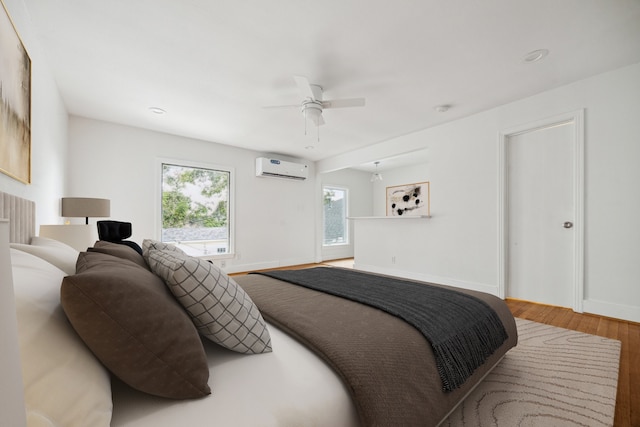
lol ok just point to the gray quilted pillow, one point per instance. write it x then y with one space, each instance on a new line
150 245
218 306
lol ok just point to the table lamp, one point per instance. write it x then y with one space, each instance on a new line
78 236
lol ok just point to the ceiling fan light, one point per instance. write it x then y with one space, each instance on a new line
313 113
312 109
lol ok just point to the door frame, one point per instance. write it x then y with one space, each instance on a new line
577 118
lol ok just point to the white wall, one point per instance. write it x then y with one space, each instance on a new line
274 218
48 129
459 244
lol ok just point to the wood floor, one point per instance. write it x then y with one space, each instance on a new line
628 395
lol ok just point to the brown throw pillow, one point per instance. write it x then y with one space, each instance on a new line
128 318
120 251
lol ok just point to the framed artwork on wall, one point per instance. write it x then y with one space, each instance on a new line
409 200
15 102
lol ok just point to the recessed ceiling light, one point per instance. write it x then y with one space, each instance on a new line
535 55
157 110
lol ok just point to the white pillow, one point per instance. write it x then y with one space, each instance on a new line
65 385
220 309
54 252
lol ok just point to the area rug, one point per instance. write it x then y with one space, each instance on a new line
554 377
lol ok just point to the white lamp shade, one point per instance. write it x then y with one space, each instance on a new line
84 207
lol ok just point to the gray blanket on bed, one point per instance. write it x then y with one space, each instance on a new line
463 330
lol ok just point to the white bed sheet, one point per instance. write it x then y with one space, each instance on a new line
289 387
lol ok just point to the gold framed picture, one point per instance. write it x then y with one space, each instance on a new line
15 102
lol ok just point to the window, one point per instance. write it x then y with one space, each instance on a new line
335 216
196 208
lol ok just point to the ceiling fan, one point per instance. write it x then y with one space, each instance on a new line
312 103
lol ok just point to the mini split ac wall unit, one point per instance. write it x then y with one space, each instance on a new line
280 169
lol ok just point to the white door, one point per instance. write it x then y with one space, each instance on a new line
541 214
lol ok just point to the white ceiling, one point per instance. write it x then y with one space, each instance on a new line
213 64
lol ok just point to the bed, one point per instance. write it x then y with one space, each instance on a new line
302 356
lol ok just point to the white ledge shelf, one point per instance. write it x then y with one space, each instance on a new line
390 217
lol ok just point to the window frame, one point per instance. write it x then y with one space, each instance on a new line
347 234
161 161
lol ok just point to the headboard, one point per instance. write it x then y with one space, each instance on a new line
21 214
12 405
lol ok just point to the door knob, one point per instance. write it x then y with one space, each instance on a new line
567 224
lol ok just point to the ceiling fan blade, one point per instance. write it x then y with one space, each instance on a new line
343 103
304 87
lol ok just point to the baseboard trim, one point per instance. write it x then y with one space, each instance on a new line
608 309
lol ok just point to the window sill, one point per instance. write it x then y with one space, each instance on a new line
213 257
